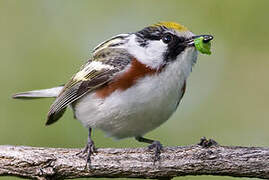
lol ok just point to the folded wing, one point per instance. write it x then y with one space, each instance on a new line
93 75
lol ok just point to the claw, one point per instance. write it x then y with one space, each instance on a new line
157 146
89 150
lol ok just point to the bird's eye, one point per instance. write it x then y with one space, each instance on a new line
167 38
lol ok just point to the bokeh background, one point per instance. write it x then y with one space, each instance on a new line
42 43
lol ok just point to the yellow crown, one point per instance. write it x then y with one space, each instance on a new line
172 25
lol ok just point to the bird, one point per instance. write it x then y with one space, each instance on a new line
131 85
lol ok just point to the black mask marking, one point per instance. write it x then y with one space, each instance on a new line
175 46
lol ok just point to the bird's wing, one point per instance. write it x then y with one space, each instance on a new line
96 73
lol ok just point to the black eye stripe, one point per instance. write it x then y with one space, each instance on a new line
175 44
175 47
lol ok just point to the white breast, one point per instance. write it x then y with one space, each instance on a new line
141 108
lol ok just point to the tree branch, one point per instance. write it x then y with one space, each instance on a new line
58 163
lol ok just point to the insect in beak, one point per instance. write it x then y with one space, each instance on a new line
206 39
201 43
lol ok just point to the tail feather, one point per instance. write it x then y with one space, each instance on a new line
43 93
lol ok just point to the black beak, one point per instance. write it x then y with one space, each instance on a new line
207 38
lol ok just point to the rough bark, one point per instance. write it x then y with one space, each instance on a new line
59 163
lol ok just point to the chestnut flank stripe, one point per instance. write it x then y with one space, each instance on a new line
127 79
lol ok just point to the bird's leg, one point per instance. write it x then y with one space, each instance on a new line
156 145
89 148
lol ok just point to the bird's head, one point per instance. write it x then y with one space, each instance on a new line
157 45
162 43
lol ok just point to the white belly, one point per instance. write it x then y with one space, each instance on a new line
139 109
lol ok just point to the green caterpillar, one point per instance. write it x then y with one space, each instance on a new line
201 46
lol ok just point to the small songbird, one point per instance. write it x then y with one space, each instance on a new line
132 84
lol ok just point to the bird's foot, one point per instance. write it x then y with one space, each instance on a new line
157 146
89 150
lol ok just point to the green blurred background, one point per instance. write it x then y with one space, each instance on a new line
42 43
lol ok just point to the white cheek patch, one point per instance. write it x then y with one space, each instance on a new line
94 65
155 51
150 55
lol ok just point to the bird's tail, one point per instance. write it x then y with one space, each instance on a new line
43 93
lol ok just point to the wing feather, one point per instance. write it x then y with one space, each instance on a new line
93 75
